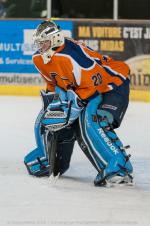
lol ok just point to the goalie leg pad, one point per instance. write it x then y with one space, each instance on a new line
104 143
91 139
36 161
82 142
36 166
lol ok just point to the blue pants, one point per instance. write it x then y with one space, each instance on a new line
116 102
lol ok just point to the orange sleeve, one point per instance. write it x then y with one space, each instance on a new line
50 86
118 66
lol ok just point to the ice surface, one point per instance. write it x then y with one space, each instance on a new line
73 199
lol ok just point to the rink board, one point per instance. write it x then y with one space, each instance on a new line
35 91
121 40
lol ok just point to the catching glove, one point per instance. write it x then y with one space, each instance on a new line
63 111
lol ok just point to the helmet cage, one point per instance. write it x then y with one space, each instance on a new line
48 31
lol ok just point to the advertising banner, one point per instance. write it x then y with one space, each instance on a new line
128 41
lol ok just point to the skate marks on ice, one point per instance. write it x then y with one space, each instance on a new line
79 173
82 176
142 172
72 199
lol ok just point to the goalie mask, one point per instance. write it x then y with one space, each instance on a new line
47 37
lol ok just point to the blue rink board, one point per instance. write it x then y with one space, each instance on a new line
16 46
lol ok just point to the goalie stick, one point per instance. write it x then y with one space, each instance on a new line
50 140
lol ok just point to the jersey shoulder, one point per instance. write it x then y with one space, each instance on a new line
76 53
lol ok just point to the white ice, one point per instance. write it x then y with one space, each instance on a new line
73 199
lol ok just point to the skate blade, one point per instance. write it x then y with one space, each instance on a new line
53 179
121 181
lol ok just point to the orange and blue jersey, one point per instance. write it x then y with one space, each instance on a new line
76 66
